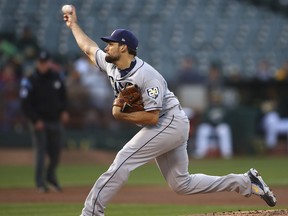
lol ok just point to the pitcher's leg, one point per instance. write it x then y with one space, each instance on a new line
142 148
147 144
107 185
174 167
133 155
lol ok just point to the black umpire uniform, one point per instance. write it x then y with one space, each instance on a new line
43 96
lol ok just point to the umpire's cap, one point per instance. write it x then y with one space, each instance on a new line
123 36
43 55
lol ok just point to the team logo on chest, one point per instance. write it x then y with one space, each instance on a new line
153 92
57 85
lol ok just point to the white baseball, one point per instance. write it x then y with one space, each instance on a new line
67 9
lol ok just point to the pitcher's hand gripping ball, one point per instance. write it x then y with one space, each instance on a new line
129 99
67 9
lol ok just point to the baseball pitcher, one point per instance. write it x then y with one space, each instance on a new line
142 97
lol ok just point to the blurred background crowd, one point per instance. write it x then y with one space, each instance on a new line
226 60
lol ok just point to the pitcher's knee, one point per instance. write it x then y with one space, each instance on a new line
180 187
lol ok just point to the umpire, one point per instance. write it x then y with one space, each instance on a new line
43 100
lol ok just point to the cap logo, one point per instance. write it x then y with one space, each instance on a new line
123 40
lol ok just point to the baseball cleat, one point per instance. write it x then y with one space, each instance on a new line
54 185
42 189
260 188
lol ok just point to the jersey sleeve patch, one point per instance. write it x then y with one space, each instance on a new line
153 92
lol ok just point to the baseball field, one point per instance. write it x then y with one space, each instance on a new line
145 194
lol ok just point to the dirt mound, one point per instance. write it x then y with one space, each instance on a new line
249 213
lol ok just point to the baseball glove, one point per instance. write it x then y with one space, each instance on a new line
129 99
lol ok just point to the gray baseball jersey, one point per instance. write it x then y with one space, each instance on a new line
155 93
165 142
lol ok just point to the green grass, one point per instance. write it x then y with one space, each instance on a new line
64 209
274 171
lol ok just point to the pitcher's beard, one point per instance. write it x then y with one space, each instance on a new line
111 59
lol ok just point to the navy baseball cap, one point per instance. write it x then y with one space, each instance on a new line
123 36
43 55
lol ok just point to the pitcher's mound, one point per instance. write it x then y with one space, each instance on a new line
249 213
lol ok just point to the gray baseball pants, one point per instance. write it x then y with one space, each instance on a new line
166 143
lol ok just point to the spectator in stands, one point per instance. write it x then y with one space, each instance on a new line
273 124
7 49
188 74
234 75
27 43
282 72
44 99
214 129
28 48
79 98
264 72
99 91
214 80
217 82
9 101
